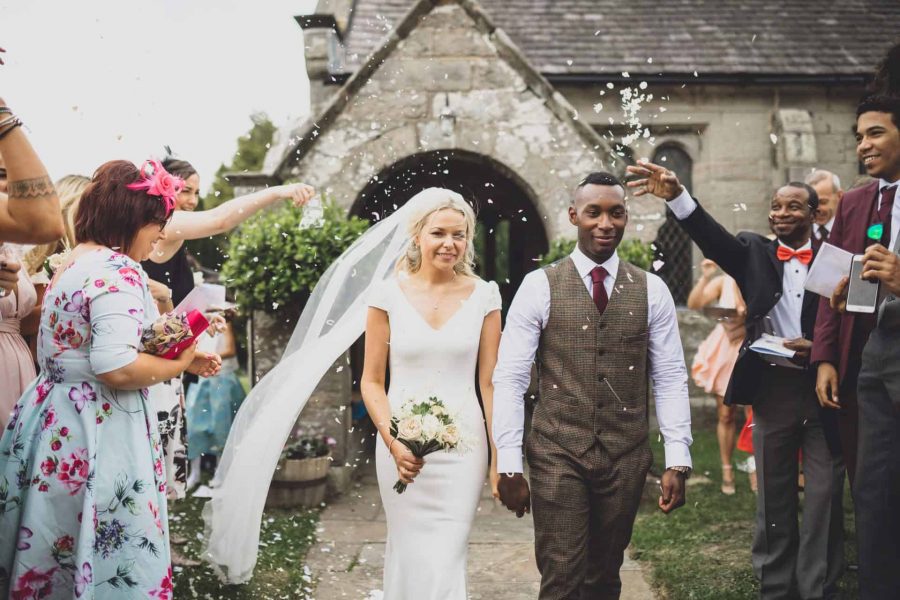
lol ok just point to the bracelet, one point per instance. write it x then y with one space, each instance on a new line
8 120
10 128
5 109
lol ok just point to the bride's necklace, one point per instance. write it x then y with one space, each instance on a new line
436 302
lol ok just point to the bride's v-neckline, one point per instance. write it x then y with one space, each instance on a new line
462 305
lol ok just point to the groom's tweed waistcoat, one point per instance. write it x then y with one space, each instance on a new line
593 368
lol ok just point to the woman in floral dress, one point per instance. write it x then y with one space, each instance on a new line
82 488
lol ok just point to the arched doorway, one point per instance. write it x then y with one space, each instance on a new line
673 245
510 233
510 236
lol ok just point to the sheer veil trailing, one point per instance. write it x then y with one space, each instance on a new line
334 318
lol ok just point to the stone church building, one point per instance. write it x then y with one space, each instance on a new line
511 102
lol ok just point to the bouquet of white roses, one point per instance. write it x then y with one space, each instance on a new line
55 261
424 427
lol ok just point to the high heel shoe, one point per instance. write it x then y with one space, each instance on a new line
728 480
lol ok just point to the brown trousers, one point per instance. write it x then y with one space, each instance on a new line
584 509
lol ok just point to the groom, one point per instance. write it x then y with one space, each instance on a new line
594 322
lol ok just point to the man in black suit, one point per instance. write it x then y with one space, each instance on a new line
771 274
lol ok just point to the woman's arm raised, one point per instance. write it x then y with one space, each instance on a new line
187 225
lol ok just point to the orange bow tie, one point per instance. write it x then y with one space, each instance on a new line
804 256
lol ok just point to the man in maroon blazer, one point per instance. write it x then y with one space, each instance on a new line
840 337
859 355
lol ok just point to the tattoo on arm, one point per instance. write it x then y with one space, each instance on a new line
29 189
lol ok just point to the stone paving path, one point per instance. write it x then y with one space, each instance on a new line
347 560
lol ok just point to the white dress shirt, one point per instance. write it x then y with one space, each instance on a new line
895 209
785 315
528 315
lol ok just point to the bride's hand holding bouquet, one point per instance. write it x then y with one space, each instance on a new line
420 428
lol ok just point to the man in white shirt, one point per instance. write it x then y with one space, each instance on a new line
787 418
828 188
600 329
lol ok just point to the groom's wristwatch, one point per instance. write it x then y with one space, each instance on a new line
686 471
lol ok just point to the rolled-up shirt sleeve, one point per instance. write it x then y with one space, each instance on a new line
668 374
117 315
518 345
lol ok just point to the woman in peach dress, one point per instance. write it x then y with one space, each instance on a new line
717 354
16 365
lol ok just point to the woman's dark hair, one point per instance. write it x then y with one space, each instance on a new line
111 214
180 168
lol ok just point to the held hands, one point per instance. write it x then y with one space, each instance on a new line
655 180
408 466
672 491
827 386
494 477
514 493
298 193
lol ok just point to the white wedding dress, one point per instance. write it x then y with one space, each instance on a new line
428 525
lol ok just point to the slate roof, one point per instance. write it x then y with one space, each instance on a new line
726 37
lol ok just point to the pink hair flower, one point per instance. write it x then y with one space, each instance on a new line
159 182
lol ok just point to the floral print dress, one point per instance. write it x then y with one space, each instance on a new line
82 487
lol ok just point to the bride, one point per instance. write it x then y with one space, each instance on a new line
432 323
408 282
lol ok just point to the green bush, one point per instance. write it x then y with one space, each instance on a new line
272 262
634 251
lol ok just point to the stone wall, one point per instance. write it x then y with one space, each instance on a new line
452 84
726 130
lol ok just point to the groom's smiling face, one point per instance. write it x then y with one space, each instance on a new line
600 214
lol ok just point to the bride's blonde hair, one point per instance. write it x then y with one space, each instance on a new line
427 202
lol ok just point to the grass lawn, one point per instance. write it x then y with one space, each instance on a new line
702 550
280 572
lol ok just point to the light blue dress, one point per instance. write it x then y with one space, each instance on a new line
212 404
82 486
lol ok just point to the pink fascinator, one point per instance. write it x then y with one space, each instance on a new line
159 182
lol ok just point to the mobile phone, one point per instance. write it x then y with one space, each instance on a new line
862 297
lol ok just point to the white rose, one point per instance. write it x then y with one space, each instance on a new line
431 427
409 428
437 410
450 435
55 261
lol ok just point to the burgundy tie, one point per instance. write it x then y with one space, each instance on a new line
884 213
598 274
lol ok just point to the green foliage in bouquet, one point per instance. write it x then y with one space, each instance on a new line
272 262
635 251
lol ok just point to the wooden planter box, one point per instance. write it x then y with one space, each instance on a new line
299 483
